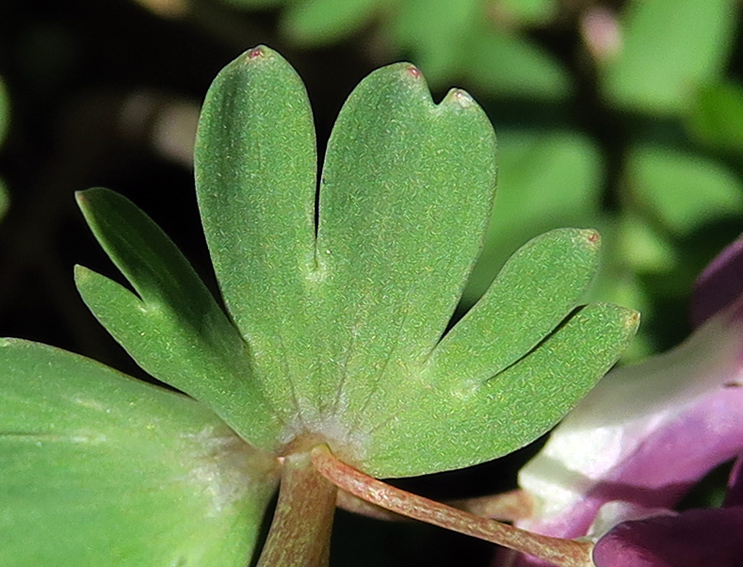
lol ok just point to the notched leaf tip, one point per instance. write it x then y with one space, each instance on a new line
459 97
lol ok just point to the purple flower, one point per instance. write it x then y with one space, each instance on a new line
690 539
617 465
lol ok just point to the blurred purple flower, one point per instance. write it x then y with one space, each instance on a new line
617 465
695 538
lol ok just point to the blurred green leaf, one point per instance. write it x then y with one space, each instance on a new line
680 190
434 33
523 12
546 180
173 327
716 117
641 248
4 111
511 65
4 199
669 49
455 39
101 469
313 22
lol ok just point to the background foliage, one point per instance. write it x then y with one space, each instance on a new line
626 116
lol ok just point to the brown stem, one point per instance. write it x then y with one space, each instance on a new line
351 503
504 507
561 552
300 530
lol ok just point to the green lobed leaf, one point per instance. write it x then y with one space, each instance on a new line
313 22
457 427
406 190
255 167
343 321
173 328
669 49
536 289
405 196
101 469
618 280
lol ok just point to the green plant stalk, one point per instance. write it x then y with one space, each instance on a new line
302 523
560 552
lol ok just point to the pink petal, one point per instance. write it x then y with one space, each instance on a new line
719 284
697 538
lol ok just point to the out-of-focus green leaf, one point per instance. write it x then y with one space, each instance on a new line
510 65
174 327
546 180
434 32
669 49
455 39
641 248
523 12
4 111
325 21
682 191
463 426
716 117
100 469
4 199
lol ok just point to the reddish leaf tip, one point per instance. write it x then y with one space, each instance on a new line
256 52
